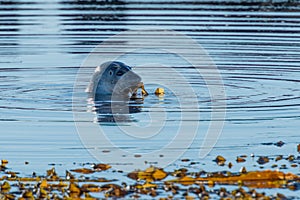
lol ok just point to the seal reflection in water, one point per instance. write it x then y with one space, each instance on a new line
111 87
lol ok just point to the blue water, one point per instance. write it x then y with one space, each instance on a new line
255 47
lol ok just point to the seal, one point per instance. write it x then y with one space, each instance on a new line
111 86
114 78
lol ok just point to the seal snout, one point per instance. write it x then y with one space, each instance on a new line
128 82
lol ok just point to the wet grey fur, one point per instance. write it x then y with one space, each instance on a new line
113 78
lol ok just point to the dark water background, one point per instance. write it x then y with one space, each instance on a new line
254 44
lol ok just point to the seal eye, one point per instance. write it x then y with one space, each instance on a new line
111 72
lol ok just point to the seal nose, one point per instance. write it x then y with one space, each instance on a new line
129 80
133 77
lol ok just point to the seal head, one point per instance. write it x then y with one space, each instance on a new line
113 78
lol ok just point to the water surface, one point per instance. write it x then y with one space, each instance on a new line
255 45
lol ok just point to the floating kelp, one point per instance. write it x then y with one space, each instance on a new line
263 160
83 170
88 183
220 160
253 179
240 159
150 174
101 167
